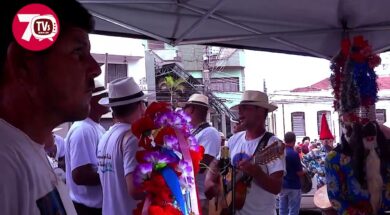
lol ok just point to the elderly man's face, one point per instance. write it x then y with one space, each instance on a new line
251 115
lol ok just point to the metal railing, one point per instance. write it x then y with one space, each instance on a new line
215 102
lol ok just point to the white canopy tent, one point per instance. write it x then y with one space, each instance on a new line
303 27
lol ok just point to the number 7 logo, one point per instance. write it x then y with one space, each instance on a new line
42 23
27 18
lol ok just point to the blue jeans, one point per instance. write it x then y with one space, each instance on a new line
289 201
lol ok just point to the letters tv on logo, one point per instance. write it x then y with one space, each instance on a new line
44 27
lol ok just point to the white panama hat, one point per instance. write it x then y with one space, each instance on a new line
122 91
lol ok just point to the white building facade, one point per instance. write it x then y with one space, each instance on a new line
300 110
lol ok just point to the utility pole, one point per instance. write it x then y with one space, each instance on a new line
206 70
264 86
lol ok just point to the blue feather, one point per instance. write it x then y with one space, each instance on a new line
172 181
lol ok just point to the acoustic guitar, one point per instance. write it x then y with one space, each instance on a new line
223 202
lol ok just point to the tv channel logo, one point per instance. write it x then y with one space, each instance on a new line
35 27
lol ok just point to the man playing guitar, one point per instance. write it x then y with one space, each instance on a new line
267 179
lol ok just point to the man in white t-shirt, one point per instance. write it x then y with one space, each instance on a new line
81 157
118 146
40 90
267 179
207 136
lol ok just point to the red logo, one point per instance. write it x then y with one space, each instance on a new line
36 27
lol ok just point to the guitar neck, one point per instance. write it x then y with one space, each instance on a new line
269 154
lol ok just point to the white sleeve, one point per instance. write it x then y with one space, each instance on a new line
211 141
82 147
60 143
129 150
278 164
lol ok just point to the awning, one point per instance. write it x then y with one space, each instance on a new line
303 27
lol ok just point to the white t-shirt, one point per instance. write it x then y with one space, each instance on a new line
258 201
116 160
80 149
210 139
60 144
26 182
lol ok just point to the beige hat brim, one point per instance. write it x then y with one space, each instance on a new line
194 103
269 107
105 101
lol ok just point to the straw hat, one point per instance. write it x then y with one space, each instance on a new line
256 98
198 99
122 91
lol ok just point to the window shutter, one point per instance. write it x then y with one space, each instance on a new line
380 116
298 123
116 71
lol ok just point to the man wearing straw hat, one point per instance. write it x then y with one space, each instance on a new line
81 158
116 151
267 179
207 136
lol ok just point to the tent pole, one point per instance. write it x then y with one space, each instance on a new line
198 22
254 36
239 25
128 27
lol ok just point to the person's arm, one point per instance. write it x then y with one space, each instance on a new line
271 183
210 140
129 149
134 192
86 175
297 163
207 159
212 180
83 157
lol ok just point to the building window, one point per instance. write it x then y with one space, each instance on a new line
298 123
116 71
380 116
319 116
225 84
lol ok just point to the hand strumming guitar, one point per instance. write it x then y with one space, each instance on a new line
249 168
212 180
271 183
